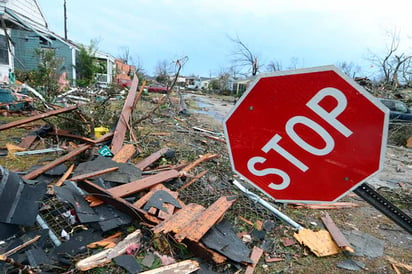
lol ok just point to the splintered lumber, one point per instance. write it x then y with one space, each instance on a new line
399 264
56 162
104 257
205 220
325 206
202 158
107 242
181 219
194 179
125 153
105 196
169 207
65 133
152 158
184 267
27 141
104 138
36 117
337 235
319 242
255 257
82 177
20 247
120 131
141 184
65 176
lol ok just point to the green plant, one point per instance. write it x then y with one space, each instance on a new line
86 67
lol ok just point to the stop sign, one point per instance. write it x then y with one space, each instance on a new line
309 135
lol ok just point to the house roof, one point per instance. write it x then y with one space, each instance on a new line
28 11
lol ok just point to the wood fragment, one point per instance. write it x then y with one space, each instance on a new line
202 158
82 177
104 138
319 242
399 264
273 260
141 184
194 179
121 126
56 162
104 257
108 242
325 206
139 94
184 267
65 176
178 221
36 117
126 152
255 256
205 220
152 158
409 142
395 268
336 234
20 247
94 201
246 221
65 133
27 141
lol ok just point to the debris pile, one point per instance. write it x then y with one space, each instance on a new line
151 195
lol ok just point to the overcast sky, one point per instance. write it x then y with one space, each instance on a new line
313 33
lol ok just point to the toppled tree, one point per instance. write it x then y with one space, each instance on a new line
243 57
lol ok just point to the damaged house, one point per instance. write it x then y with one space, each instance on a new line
25 38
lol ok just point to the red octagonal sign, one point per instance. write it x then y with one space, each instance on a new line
308 135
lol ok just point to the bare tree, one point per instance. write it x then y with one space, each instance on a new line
349 69
243 57
162 71
274 66
393 62
125 55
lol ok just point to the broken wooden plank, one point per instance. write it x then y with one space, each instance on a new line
107 242
27 141
255 257
202 158
65 176
184 267
82 177
125 153
205 220
104 138
141 184
178 221
36 117
66 133
104 257
337 235
105 196
325 206
56 162
121 126
194 179
319 242
152 158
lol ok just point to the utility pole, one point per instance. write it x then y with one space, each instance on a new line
65 21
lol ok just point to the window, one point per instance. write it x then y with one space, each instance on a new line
4 51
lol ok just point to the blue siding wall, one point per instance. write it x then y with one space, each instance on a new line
25 45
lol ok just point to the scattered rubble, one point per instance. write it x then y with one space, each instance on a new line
153 195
